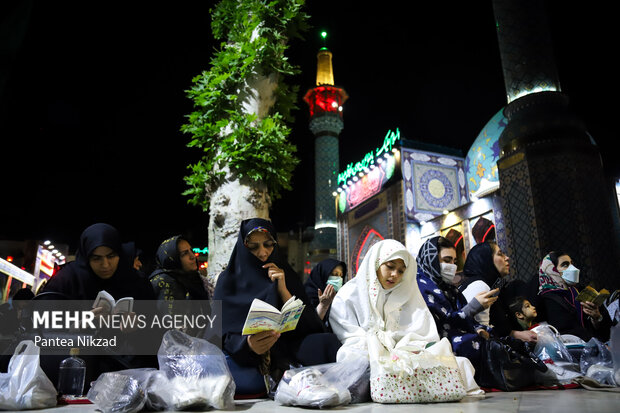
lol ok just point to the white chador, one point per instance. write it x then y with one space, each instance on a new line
363 313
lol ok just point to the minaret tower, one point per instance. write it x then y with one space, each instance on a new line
553 189
325 102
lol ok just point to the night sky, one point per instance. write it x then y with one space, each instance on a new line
92 97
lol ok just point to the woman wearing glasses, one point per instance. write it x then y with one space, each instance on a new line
256 270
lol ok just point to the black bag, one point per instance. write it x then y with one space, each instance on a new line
508 364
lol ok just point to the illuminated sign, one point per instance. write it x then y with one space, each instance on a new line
15 272
369 159
46 264
205 250
368 185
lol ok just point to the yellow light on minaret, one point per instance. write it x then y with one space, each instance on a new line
324 71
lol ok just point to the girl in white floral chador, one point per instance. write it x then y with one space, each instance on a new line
380 316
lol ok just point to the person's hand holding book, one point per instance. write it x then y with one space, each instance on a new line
590 309
260 343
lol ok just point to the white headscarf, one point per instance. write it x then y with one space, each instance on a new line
362 306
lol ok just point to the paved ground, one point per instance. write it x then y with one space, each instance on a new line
547 401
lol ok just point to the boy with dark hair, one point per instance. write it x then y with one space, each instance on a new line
524 312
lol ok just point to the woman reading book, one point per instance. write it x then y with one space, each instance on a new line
558 304
103 264
256 270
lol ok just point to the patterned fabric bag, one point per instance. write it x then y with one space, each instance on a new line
398 375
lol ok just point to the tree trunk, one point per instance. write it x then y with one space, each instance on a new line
231 203
238 199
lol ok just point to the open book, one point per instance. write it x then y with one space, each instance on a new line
263 316
104 299
590 294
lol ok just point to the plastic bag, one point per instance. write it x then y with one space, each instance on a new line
130 390
195 374
25 386
325 385
551 348
615 351
597 363
595 352
352 375
120 392
549 344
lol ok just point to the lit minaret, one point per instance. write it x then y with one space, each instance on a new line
325 102
553 189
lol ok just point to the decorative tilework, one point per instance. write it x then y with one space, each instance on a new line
432 183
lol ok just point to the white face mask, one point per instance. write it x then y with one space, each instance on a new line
448 271
571 274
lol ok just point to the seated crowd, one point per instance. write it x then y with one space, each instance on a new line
393 299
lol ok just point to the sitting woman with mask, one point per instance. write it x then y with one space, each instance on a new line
256 270
453 315
324 282
382 304
557 303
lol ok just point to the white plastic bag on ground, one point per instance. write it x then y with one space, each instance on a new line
25 386
596 362
118 392
551 349
549 344
196 374
192 374
128 391
325 385
614 347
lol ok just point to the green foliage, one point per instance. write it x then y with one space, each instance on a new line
253 37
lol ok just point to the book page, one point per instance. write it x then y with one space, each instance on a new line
124 305
602 296
258 321
291 303
261 317
260 305
590 294
291 318
105 300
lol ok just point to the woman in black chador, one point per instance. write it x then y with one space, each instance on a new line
177 283
256 270
102 262
322 285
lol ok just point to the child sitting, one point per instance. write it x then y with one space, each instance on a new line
524 312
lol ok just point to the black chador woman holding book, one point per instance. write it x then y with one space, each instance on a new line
102 264
256 270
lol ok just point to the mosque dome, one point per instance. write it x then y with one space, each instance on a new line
481 159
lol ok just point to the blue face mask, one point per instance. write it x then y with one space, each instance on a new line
571 274
335 281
